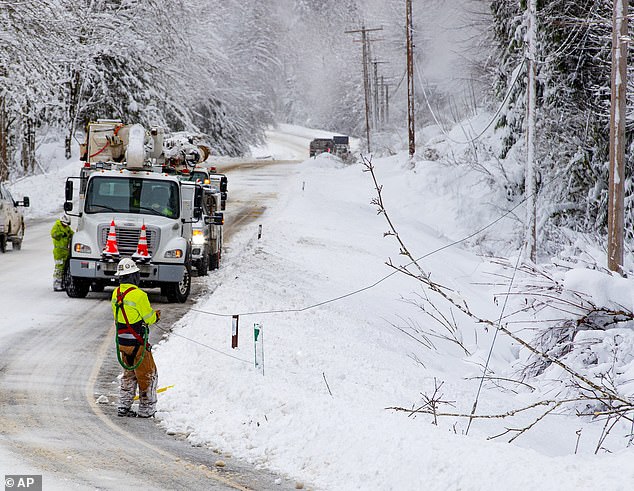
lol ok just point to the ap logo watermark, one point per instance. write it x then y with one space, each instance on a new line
23 481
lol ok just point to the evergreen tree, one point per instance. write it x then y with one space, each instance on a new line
574 62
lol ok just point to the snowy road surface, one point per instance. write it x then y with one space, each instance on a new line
57 357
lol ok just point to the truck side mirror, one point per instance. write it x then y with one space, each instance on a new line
198 197
223 184
198 203
68 206
69 190
25 202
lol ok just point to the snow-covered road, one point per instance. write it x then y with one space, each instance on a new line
57 357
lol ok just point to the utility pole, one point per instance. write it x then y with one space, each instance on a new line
376 93
410 79
616 219
386 112
366 79
531 96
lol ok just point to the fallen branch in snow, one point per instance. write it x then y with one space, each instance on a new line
546 294
427 410
450 332
458 301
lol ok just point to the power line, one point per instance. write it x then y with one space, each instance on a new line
360 290
172 333
493 119
368 287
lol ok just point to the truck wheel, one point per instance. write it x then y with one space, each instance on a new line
178 292
75 287
203 264
17 240
3 243
97 286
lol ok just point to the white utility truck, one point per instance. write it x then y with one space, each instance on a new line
128 207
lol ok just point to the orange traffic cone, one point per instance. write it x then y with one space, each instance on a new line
111 242
142 251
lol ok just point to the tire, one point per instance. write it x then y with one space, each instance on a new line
214 260
178 292
17 240
203 264
216 257
76 287
3 243
97 286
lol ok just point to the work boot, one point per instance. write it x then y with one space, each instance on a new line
124 411
57 286
142 414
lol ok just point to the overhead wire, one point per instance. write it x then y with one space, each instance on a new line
516 73
377 282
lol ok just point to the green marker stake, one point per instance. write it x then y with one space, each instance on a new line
258 340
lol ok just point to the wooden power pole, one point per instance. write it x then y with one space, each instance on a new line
366 75
410 80
616 219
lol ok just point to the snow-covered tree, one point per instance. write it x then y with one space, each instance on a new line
574 60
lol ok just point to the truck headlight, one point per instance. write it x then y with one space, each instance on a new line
82 248
198 237
174 254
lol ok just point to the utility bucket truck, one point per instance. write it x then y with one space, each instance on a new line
128 207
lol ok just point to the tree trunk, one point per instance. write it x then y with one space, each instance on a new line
71 111
28 140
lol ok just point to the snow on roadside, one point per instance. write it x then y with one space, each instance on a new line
319 412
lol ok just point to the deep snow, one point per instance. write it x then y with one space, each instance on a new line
334 360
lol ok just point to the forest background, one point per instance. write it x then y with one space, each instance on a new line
230 69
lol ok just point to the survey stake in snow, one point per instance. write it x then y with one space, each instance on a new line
258 342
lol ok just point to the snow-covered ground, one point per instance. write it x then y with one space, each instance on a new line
333 358
333 354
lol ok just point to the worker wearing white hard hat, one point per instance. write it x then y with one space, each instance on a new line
132 315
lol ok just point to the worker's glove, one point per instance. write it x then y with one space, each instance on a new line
158 315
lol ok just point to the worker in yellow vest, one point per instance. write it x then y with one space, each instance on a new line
132 316
62 236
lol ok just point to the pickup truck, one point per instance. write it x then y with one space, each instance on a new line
337 145
11 219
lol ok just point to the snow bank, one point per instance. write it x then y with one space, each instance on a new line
318 413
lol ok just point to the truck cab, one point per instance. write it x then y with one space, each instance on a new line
120 201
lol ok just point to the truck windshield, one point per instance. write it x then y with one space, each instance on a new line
107 194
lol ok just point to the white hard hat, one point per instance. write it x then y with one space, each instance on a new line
65 219
126 266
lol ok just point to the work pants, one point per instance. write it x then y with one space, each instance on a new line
58 272
145 376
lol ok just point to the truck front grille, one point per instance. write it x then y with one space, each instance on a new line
128 238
